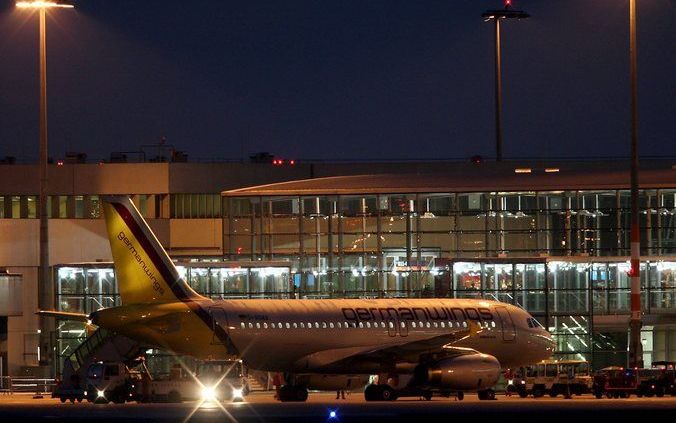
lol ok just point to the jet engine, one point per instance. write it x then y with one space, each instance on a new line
463 372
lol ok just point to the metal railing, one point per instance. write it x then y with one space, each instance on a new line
12 385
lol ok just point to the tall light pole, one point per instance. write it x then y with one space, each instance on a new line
45 289
635 346
496 16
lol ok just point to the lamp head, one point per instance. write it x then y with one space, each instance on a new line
45 4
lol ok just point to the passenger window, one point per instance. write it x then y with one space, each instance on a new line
288 326
309 325
436 325
428 324
464 324
295 325
340 325
265 325
368 325
258 325
402 324
391 325
361 324
493 324
382 325
331 325
413 325
302 325
323 325
242 325
443 324
316 325
250 325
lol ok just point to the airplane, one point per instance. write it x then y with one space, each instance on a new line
415 346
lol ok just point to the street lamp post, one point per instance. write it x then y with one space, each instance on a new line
635 346
45 290
496 16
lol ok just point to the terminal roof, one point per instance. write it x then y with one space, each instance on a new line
480 178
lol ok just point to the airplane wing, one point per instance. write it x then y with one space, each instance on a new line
409 352
442 343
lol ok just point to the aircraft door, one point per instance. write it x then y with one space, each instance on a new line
403 327
391 327
507 324
219 322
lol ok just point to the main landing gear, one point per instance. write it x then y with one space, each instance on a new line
292 393
486 394
379 393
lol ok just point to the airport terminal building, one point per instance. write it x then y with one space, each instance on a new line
550 237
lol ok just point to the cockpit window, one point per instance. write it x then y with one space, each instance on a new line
533 323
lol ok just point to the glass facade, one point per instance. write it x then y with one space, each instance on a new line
383 241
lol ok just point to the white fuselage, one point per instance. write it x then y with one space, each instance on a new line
310 335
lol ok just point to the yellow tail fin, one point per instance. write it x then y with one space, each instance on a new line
143 270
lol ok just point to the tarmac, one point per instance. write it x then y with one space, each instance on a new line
323 407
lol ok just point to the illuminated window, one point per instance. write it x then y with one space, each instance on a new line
361 324
288 326
493 324
382 325
250 325
436 325
464 324
413 325
302 325
295 325
402 324
265 325
340 325
331 325
316 325
242 325
323 325
368 325
258 325
428 324
391 325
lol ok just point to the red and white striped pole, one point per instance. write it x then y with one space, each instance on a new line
635 346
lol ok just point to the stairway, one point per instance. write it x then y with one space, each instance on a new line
257 380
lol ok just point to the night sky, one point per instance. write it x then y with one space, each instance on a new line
337 79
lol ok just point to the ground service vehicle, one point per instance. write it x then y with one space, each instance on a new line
620 382
668 376
615 382
213 381
554 377
111 381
